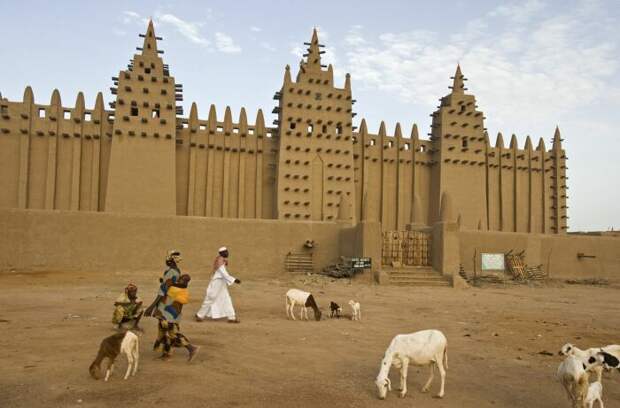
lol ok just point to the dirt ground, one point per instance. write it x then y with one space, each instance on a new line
52 324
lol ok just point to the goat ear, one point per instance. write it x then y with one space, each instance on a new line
611 360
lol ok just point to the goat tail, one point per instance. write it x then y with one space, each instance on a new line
445 356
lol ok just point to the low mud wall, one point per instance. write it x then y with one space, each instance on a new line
38 240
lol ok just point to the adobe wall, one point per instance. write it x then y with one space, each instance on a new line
557 253
34 240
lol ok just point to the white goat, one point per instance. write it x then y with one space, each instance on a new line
126 343
305 300
595 393
611 354
573 374
356 311
426 347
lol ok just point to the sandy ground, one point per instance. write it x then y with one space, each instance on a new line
52 325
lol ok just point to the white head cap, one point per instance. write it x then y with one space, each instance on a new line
222 249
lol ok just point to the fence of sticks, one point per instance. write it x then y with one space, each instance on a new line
520 270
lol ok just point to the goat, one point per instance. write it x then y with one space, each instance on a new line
335 310
356 312
305 300
595 393
611 354
126 343
573 374
426 347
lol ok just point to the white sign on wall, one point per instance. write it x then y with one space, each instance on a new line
492 262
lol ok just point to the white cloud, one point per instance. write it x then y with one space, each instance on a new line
524 67
187 29
256 29
267 46
225 44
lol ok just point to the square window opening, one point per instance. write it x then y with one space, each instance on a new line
66 114
292 125
134 111
251 131
147 70
235 130
220 129
203 127
87 116
41 112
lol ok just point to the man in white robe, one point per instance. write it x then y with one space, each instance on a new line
217 303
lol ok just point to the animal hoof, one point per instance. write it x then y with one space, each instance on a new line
439 396
402 394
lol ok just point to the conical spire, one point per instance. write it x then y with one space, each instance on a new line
313 59
287 74
458 85
150 41
99 103
414 132
78 112
557 139
528 143
347 82
513 142
28 95
55 100
193 117
363 127
500 140
541 145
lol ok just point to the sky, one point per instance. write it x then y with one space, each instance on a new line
532 64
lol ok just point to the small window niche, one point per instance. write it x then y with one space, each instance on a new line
324 128
134 111
407 146
372 142
464 143
422 148
338 129
41 112
66 114
147 70
87 116
203 127
220 129
155 113
310 128
292 125
250 131
235 130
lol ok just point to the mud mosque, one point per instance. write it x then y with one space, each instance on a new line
118 185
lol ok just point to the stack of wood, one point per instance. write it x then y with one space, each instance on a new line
341 269
520 271
299 262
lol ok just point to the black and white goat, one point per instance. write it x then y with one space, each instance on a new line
610 353
334 309
126 343
305 300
